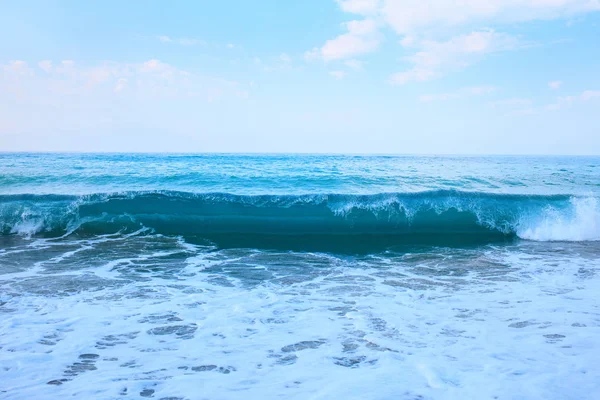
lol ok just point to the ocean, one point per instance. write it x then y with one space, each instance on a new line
178 276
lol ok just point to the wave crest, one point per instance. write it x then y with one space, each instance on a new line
463 217
579 222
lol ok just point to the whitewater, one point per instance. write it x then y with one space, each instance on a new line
199 276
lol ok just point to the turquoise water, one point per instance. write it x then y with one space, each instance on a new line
77 174
299 276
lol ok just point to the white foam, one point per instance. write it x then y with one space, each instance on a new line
516 323
28 227
579 222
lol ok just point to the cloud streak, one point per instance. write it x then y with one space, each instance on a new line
416 16
433 58
459 94
184 41
152 78
554 85
569 101
524 106
338 74
362 37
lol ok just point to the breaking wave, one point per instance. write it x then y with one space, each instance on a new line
286 221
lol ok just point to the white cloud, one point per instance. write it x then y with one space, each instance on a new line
230 45
354 64
100 74
285 58
362 38
479 90
515 102
555 84
459 94
429 98
152 78
567 101
282 62
311 55
415 16
410 16
190 42
408 41
46 65
121 84
560 103
361 27
154 65
414 20
590 95
81 106
17 67
436 58
346 46
338 74
181 41
363 7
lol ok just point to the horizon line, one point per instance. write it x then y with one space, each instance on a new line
276 153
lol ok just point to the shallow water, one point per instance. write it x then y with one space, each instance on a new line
97 305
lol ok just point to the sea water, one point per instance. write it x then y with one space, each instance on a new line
299 277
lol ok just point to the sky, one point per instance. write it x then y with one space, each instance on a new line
310 76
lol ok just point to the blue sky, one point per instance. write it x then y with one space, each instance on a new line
346 76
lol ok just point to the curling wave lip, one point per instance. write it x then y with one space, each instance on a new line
314 221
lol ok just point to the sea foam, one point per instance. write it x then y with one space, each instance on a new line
579 222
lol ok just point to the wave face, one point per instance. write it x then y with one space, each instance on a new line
310 221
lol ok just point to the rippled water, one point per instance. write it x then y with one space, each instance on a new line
290 174
137 308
